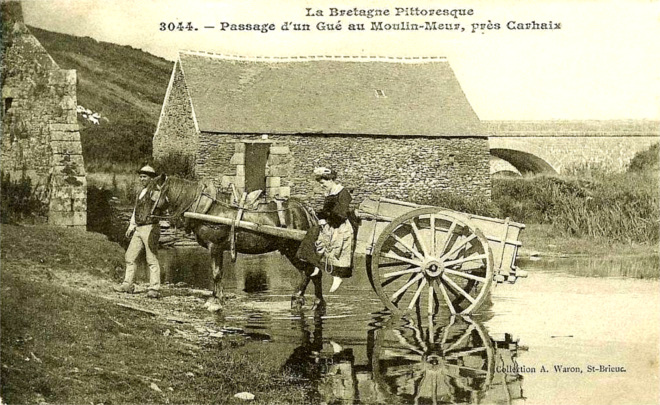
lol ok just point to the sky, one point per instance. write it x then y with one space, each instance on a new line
603 63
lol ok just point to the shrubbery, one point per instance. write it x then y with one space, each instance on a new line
177 164
619 207
18 200
646 160
534 200
459 202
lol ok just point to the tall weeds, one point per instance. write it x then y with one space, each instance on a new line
619 207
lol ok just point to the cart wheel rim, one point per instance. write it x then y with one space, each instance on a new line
431 257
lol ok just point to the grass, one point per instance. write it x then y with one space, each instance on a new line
64 344
545 239
124 186
622 208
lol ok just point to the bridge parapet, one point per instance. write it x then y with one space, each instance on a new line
554 146
566 128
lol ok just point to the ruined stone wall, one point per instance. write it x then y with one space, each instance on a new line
176 128
397 167
40 137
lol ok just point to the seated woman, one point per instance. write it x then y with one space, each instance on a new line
335 241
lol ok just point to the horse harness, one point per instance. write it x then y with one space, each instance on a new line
244 203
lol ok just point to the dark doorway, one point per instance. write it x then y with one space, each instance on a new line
8 102
256 156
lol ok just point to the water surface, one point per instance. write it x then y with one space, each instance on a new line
573 332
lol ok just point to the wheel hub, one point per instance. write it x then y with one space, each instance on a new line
433 268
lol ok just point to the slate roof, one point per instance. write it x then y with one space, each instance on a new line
327 95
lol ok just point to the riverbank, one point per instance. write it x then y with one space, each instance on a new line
67 338
542 241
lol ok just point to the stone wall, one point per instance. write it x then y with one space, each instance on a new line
397 167
40 137
176 128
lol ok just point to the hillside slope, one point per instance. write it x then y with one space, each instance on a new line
124 85
113 80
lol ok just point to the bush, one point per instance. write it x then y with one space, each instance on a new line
645 160
18 201
534 199
457 202
619 207
177 164
625 208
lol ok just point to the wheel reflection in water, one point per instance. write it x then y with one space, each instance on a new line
453 362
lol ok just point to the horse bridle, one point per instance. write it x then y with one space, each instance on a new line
163 188
160 194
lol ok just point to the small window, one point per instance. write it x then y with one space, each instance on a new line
380 94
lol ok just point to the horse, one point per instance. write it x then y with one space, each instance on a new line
182 196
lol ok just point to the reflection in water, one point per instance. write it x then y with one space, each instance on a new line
452 362
256 280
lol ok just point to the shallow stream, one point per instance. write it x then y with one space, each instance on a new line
575 331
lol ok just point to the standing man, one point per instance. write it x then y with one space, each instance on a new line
144 231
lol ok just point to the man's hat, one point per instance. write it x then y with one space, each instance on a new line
148 170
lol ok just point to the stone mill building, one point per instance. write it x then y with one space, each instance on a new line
40 137
396 127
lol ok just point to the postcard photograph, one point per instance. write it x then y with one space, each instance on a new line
330 202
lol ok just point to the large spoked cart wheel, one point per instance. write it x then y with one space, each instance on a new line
430 257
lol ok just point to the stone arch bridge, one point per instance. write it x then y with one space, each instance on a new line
525 147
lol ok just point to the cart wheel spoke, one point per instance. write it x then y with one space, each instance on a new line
418 237
458 289
402 272
465 353
394 256
391 280
465 260
406 286
450 233
475 370
419 339
458 246
462 339
408 247
445 333
433 238
443 291
466 275
389 264
431 307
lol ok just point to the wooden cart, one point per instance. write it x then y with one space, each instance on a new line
421 256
